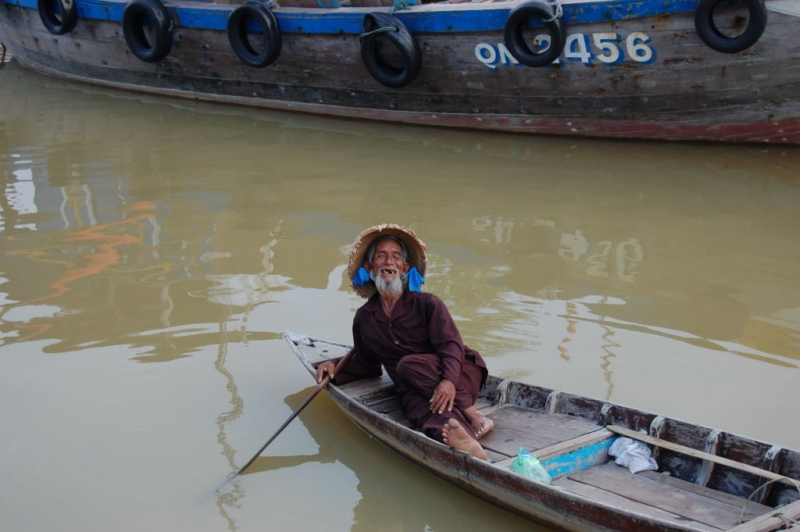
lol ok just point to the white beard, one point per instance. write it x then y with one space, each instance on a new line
392 289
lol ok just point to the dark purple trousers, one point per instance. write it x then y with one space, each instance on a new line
420 374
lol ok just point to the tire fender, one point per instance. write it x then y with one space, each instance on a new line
58 16
139 14
515 40
267 23
380 27
714 39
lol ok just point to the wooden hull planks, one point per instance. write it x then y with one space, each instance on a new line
628 69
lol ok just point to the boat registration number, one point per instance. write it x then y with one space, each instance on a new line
605 48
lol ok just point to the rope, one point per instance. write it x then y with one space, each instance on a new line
379 30
558 12
762 486
398 5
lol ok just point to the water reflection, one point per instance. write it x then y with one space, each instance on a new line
233 492
378 508
658 275
119 212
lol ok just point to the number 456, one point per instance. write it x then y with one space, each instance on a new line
608 45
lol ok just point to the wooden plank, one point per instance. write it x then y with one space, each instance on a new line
688 504
362 388
774 520
394 410
632 434
497 458
567 464
566 446
517 427
789 7
483 404
599 495
752 509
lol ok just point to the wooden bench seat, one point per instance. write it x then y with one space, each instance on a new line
660 496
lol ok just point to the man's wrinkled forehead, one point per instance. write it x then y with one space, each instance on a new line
388 238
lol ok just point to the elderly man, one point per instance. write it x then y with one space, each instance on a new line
412 335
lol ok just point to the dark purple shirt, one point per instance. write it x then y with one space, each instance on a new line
420 323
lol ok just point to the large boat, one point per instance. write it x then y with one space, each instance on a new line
701 479
680 69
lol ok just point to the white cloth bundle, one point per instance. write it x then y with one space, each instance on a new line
632 454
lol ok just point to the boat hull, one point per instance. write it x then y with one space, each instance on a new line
634 76
552 508
704 475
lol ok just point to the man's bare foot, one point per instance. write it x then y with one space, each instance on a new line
481 424
457 437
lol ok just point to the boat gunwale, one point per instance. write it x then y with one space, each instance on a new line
422 18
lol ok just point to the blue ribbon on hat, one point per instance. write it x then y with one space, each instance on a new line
415 280
362 277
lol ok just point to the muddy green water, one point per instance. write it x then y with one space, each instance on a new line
152 252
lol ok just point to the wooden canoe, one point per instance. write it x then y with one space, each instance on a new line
652 69
707 480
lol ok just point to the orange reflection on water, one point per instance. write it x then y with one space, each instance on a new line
105 239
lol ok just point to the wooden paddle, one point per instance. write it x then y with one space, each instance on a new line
318 388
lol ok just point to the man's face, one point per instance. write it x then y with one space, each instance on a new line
387 262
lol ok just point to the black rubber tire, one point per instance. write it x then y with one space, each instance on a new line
58 16
238 22
139 14
399 37
515 40
710 34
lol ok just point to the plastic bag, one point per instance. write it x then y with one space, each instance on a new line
632 454
527 465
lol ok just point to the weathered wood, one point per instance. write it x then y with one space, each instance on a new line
468 78
711 447
517 427
777 519
632 434
669 497
568 446
366 390
772 462
646 511
751 509
589 493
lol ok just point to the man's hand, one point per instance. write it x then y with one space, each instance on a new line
326 367
443 397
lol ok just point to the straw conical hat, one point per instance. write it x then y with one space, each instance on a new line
358 252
